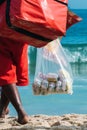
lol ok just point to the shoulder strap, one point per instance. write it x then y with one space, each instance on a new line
1 1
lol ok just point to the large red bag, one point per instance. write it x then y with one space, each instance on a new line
35 21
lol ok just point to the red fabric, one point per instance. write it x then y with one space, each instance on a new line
13 62
72 19
46 18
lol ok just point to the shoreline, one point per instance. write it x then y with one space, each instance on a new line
45 122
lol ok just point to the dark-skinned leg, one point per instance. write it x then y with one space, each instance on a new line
12 93
4 101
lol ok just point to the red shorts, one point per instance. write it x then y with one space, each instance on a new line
13 62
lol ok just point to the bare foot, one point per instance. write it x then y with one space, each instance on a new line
4 112
23 120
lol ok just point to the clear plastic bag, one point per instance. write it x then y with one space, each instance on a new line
53 72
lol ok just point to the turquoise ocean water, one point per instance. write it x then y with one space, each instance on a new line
75 46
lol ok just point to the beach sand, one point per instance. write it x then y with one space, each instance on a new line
45 122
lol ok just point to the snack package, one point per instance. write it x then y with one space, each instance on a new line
53 72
